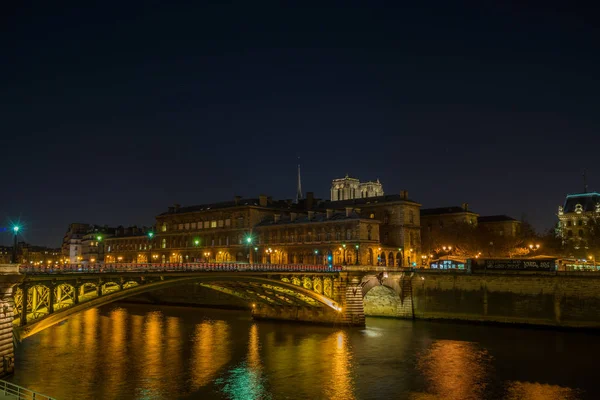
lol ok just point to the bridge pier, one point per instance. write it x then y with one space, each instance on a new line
9 277
350 297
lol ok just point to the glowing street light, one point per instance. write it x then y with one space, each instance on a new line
16 229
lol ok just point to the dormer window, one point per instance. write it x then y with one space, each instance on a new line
578 208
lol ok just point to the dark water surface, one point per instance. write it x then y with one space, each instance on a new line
155 352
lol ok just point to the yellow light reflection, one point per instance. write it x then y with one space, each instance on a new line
341 385
153 365
253 349
536 391
211 352
116 345
456 370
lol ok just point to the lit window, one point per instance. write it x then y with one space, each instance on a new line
372 216
164 243
187 225
164 227
220 223
193 225
213 224
228 222
206 224
180 226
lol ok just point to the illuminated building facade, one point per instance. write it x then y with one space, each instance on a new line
351 188
574 216
380 230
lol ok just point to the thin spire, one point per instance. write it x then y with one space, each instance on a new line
299 189
585 186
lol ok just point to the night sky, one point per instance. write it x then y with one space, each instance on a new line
114 111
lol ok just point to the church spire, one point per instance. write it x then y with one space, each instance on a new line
299 189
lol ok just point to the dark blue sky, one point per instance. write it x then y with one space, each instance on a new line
114 111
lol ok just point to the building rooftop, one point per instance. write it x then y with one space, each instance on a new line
240 202
495 218
588 201
444 210
365 201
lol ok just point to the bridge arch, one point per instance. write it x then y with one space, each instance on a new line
253 288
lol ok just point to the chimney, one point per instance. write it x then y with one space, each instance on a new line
237 199
310 197
404 194
171 210
262 200
329 213
465 206
311 214
276 217
176 207
293 216
348 211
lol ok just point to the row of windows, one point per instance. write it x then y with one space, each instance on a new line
570 233
575 222
215 223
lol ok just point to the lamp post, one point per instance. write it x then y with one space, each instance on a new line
593 259
15 233
196 243
269 251
534 247
357 254
344 253
379 256
150 236
98 258
249 245
207 256
447 249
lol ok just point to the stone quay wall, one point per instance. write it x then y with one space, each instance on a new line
552 299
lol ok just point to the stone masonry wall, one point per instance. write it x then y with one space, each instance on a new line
540 299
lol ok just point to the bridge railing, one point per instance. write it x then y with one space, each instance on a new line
18 392
175 267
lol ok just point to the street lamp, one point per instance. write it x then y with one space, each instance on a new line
196 243
15 233
207 256
269 251
344 253
357 254
379 256
149 256
593 259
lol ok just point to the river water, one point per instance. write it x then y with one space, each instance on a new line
154 352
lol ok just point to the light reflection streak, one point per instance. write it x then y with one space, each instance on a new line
341 385
536 391
153 363
456 370
211 351
245 381
116 346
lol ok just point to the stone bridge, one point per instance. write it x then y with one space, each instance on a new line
32 300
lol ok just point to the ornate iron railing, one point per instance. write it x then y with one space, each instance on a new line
176 267
19 392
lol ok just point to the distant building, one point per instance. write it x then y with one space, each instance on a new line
500 225
382 230
435 220
351 188
574 215
71 246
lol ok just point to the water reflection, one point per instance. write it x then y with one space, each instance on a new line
340 381
537 391
245 381
211 352
149 352
456 370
